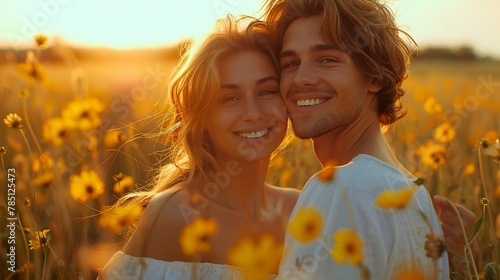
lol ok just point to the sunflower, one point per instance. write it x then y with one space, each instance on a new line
195 237
84 113
119 217
86 186
14 121
347 248
306 225
433 154
445 133
396 199
41 239
56 130
256 256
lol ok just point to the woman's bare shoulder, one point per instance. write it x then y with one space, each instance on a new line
164 219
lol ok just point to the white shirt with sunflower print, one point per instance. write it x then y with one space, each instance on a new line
363 220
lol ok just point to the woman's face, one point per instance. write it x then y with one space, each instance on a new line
248 121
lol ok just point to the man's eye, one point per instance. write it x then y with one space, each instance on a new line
268 92
230 98
289 64
328 60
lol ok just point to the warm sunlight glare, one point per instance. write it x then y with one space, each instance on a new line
117 24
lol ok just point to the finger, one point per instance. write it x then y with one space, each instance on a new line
441 203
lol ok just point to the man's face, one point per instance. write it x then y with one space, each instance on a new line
322 88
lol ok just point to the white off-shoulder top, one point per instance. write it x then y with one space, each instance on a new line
123 266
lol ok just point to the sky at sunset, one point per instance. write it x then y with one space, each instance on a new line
156 23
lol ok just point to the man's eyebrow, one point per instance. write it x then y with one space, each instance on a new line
258 82
313 48
324 47
287 53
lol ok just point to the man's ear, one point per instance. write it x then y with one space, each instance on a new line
374 86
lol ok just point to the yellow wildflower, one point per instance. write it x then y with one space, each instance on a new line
432 106
84 113
327 174
31 69
86 186
40 40
119 217
469 169
41 239
433 154
396 199
123 183
13 120
113 137
347 248
307 224
44 179
56 130
445 133
44 161
3 151
195 237
256 256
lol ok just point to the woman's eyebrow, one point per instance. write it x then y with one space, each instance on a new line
258 82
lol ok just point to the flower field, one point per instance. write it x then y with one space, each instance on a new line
77 133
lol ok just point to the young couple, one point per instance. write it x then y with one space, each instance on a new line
335 68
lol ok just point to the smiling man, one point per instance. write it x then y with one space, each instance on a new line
343 63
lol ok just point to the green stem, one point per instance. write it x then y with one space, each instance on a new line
490 215
33 199
466 246
25 242
28 124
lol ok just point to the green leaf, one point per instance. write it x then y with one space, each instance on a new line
475 229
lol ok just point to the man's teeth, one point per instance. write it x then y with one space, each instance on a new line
253 134
310 102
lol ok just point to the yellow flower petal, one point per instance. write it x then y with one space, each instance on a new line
394 199
195 237
306 225
347 248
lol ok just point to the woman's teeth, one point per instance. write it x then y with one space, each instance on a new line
253 134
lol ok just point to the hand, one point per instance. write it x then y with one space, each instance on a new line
453 234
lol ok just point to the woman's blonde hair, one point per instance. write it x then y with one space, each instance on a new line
366 30
192 91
